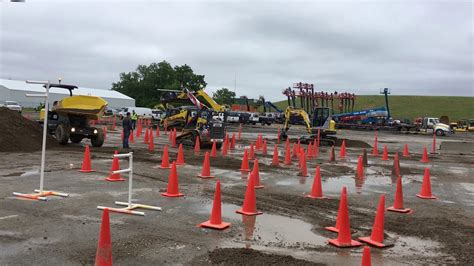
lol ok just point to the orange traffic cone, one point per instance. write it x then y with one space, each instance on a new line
225 145
344 234
396 165
131 139
104 129
197 145
244 167
365 162
315 149
425 159
251 152
158 131
303 168
147 136
165 161
377 235
206 167
339 215
294 153
232 143
317 190
180 157
360 168
342 152
332 156
173 186
115 167
86 162
258 142
151 143
264 147
405 151
216 214
103 255
256 175
214 150
173 140
275 160
366 260
425 192
310 150
170 136
385 153
287 155
375 150
250 201
398 204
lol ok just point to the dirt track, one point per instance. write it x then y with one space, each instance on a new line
64 231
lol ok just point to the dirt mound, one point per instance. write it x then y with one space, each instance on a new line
19 134
243 256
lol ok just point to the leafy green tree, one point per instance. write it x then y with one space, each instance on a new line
143 83
224 96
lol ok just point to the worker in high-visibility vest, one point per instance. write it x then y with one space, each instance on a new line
134 118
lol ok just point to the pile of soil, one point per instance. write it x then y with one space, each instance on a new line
243 256
18 134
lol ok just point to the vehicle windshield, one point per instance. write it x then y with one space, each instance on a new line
11 103
436 120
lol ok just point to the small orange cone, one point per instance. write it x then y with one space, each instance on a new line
214 150
115 167
366 260
104 129
315 149
287 155
151 143
365 162
294 153
147 136
170 136
396 165
258 142
206 167
244 167
173 186
180 157
86 162
339 214
131 139
158 131
250 201
275 160
332 156
173 140
232 143
405 151
398 204
375 150
343 239
165 161
377 235
225 145
317 190
264 147
385 153
303 168
216 214
256 175
425 192
425 159
310 150
251 152
360 168
103 255
197 146
342 152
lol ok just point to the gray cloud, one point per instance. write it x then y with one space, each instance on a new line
413 47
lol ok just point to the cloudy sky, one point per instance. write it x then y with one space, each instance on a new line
412 47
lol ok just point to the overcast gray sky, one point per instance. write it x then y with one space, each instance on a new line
412 47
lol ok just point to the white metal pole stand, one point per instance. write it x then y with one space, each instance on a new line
129 209
41 194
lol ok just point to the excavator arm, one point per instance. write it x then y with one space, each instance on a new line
295 112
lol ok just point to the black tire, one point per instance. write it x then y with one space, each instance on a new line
62 134
98 139
76 138
439 132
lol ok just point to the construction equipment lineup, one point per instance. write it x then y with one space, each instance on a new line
204 126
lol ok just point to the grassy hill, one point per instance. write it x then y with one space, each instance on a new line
402 106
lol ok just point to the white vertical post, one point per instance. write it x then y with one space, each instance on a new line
130 176
43 148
